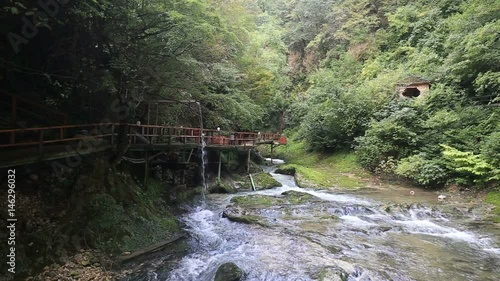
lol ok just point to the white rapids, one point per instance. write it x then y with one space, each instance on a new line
367 241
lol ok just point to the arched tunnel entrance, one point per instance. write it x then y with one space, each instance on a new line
411 93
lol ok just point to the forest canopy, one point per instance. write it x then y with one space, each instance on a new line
330 66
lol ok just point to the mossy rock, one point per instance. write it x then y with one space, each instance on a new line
265 181
256 201
237 214
222 187
332 274
493 198
229 272
296 197
286 170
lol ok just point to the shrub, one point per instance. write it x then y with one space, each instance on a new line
421 170
395 136
491 149
469 166
334 122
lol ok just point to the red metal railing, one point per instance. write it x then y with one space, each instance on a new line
138 134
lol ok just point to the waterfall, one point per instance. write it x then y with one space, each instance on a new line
203 152
203 163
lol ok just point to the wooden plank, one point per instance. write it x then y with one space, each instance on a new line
151 249
190 154
252 182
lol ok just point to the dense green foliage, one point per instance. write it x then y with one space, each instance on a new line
331 66
346 58
102 60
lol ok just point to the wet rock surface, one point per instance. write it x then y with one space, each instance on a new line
286 170
291 233
229 272
265 181
275 210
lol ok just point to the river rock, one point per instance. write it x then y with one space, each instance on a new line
265 181
221 187
229 272
237 214
295 197
286 170
333 274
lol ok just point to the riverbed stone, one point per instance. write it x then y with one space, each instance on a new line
268 211
222 187
333 274
229 272
265 181
295 197
286 170
238 214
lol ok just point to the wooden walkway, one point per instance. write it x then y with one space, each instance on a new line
30 145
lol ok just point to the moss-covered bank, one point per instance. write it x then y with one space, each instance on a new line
94 206
493 197
316 170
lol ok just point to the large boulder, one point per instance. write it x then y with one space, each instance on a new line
229 272
286 170
222 187
333 274
256 208
265 181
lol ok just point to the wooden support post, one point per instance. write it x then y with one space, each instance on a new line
252 182
220 164
190 154
146 171
248 161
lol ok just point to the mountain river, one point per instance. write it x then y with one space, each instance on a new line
366 234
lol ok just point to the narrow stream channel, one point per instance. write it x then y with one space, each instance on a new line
367 239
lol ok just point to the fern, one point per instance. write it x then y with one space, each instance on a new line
469 164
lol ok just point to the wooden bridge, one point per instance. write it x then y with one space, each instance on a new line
30 145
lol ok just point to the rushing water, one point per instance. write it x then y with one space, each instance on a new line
204 161
368 239
204 157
